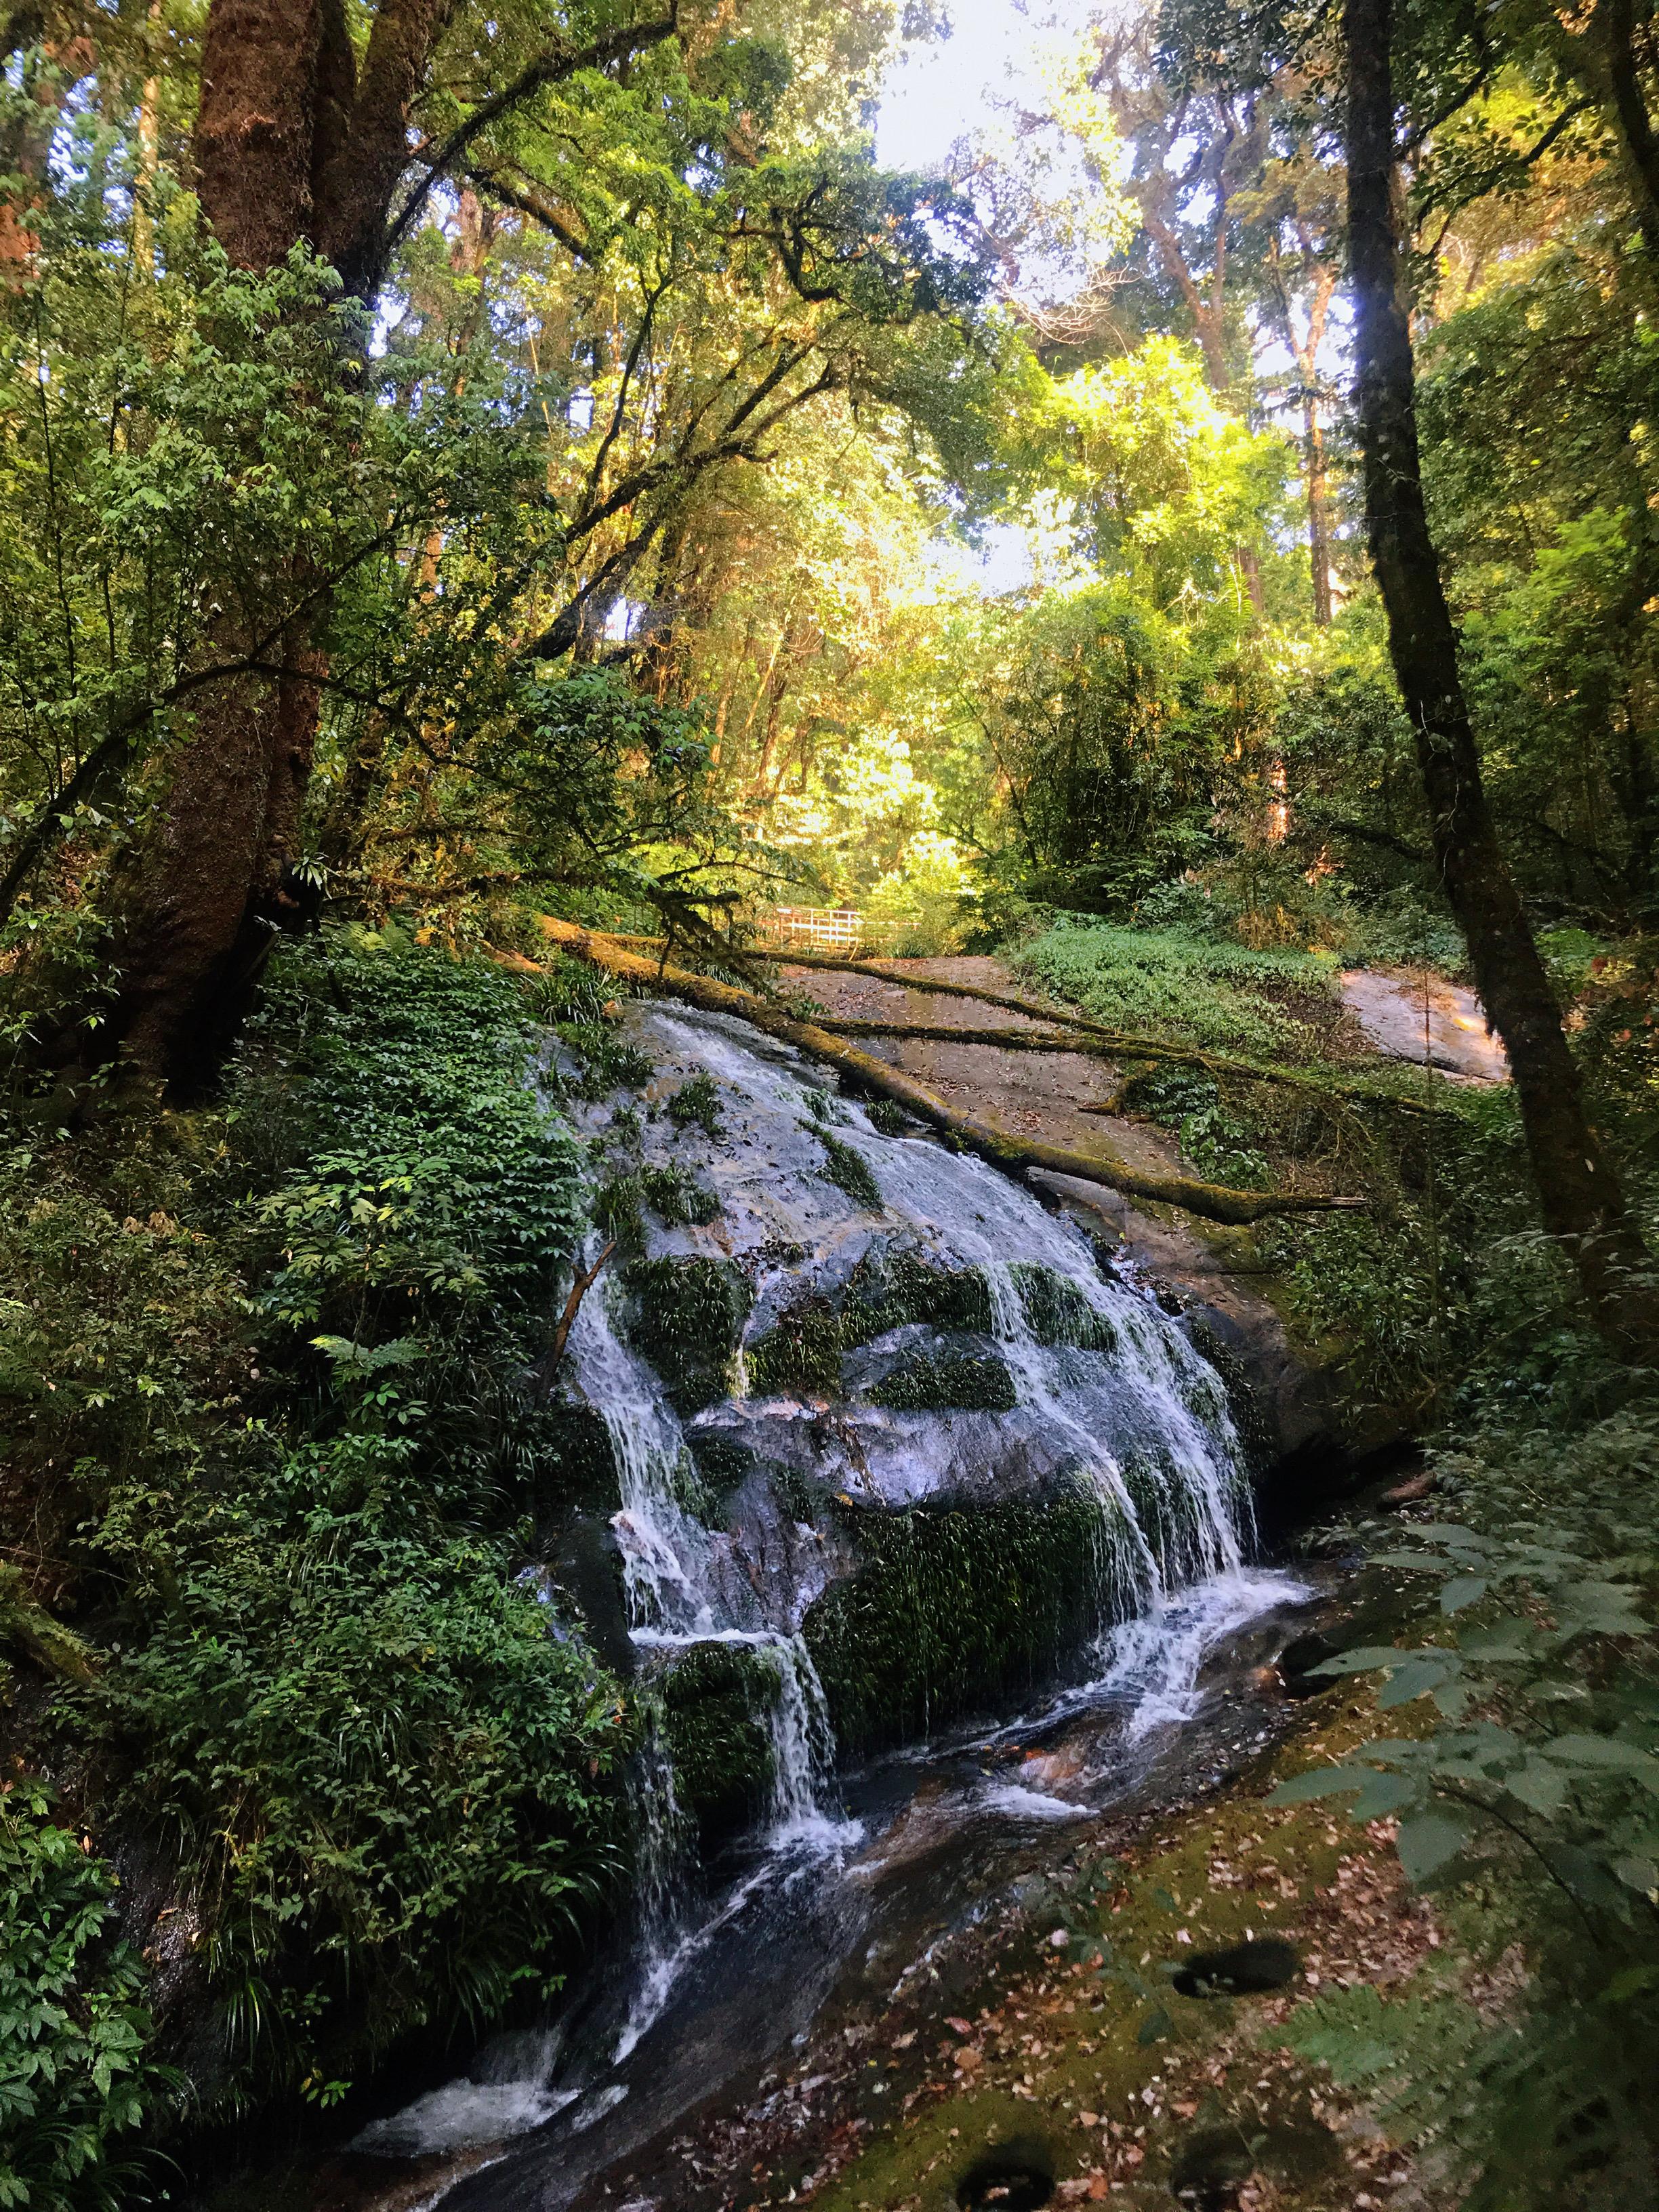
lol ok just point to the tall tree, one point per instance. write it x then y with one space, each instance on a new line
296 144
1579 1187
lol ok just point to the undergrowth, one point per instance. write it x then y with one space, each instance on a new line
1529 1803
267 1453
1176 983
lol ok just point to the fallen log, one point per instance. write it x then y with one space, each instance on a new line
1211 1202
1116 1044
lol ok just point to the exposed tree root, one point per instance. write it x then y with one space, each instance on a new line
1213 1201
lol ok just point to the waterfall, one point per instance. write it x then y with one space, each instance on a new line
1111 1407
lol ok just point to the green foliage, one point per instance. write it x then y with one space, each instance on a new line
804 1350
74 2079
1168 982
715 1700
678 1198
849 1170
1056 1311
273 1415
951 1609
1214 1140
696 1105
689 1315
1533 1796
1110 729
431 1171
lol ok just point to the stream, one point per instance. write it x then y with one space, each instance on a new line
1001 1412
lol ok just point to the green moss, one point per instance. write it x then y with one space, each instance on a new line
605 1061
696 1104
714 1703
952 1610
579 1450
1255 1424
1056 1311
886 1290
928 1386
618 1205
890 1118
849 1171
689 1312
722 1465
802 1352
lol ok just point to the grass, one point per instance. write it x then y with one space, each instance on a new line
1202 990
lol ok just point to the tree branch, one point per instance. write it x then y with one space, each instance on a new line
554 67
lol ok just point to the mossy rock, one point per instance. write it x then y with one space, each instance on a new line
887 1290
722 1464
1057 1313
954 1610
804 1350
715 1700
847 1167
689 1315
580 1453
937 1386
1254 1421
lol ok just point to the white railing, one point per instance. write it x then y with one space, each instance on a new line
815 928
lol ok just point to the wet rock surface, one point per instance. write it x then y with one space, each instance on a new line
1422 1018
867 1439
1212 1273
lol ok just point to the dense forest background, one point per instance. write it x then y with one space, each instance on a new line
457 466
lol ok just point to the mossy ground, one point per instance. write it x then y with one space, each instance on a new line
1074 2057
1082 2064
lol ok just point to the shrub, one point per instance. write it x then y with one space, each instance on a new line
74 2081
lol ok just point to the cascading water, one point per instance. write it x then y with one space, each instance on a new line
1110 1403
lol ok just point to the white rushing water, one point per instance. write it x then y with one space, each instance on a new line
1132 1414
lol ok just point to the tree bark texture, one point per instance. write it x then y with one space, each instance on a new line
1319 524
1578 1189
1211 1202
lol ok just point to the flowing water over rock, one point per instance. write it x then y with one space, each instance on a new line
885 1449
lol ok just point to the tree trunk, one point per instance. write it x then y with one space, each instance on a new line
1613 30
1578 1189
1319 521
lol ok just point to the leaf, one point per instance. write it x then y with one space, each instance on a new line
1462 1591
1154 2026
1610 1753
1421 1673
1428 1841
1638 1874
1383 1794
1540 1786
1318 1782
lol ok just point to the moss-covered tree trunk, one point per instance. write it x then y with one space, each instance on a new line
1578 1188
